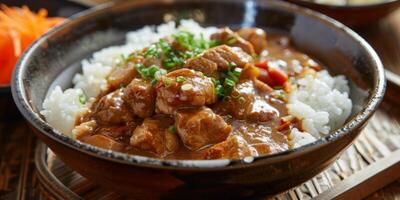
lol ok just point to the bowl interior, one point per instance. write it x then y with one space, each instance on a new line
54 59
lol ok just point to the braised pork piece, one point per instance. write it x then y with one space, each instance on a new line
186 97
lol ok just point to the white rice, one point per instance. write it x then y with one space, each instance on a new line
298 138
321 101
62 108
93 78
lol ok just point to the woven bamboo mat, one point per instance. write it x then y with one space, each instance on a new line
369 164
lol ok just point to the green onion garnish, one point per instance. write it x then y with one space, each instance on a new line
180 79
152 73
237 71
172 129
242 100
231 41
174 58
167 82
229 82
82 99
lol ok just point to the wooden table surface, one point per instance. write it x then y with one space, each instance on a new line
17 142
385 39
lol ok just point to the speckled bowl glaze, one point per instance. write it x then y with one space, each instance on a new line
54 57
353 15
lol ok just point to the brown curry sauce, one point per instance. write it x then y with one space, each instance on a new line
250 125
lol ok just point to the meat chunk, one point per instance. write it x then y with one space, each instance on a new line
112 109
246 102
155 137
118 132
103 142
256 36
202 64
220 57
141 97
182 88
109 137
198 127
84 129
121 76
235 147
227 36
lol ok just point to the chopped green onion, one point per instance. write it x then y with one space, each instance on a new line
165 47
172 129
279 94
167 82
152 51
235 94
169 63
231 41
214 80
242 100
220 90
226 98
229 78
153 72
233 77
180 79
237 71
139 68
173 58
154 82
229 82
82 99
230 65
213 43
186 87
159 73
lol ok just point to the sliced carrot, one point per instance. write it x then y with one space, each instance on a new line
264 77
278 76
6 59
262 64
19 28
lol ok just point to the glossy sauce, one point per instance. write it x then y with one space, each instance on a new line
257 123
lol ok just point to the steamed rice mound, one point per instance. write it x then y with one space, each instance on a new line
322 102
62 108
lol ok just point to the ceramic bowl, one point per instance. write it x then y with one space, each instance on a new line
55 57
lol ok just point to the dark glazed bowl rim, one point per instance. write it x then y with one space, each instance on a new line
348 7
141 161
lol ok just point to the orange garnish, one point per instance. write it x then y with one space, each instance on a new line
19 28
